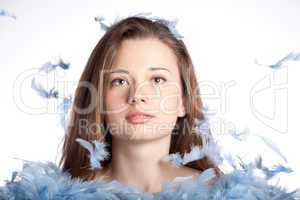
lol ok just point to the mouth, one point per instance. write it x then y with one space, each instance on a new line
138 118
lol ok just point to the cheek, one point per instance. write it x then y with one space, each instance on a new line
170 101
115 101
115 108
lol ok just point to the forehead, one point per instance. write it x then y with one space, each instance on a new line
144 54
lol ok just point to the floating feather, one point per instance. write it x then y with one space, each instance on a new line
64 107
292 56
171 24
272 146
7 14
41 91
97 152
271 172
210 150
242 135
103 26
49 66
209 147
64 102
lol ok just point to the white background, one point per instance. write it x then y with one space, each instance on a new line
224 40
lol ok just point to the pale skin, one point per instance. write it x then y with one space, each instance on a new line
138 149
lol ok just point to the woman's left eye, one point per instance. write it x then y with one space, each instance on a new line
159 77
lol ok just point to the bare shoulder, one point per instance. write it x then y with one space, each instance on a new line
187 171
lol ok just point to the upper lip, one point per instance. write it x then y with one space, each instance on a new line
134 113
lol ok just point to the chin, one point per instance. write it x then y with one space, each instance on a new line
146 138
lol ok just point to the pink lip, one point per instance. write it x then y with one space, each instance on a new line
138 117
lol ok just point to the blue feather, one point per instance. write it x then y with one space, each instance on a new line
242 135
103 26
41 91
97 152
40 181
7 14
210 150
272 146
64 107
49 66
271 172
292 56
65 102
175 158
63 64
171 24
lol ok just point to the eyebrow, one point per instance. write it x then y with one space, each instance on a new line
150 69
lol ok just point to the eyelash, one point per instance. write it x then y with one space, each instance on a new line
152 78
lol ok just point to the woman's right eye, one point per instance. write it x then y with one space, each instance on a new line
117 81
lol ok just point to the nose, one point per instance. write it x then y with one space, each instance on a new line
137 93
134 100
135 97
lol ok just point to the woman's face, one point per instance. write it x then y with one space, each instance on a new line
145 69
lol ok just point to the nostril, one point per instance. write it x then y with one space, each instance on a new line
135 100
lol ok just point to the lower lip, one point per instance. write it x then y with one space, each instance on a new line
139 119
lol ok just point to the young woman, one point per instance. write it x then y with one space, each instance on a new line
139 94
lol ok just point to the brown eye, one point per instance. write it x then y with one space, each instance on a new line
117 81
157 78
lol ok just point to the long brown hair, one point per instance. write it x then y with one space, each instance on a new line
75 159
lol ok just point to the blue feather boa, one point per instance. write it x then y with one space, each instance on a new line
45 181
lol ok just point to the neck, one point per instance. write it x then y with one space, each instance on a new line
139 163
